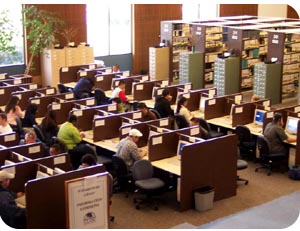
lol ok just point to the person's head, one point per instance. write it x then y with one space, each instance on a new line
3 119
5 178
166 94
135 134
88 160
13 101
277 119
122 84
116 68
30 137
143 108
182 101
255 98
194 121
72 119
55 149
32 108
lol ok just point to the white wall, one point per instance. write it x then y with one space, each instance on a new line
277 10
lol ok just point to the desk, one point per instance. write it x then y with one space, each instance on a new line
198 113
223 121
109 144
21 201
70 85
172 165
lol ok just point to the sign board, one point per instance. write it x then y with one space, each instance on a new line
87 202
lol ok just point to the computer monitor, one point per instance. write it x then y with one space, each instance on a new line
259 116
291 125
202 103
180 145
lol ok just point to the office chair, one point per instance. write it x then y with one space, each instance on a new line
142 174
18 128
206 126
122 174
39 133
100 97
111 184
246 143
155 112
181 121
268 159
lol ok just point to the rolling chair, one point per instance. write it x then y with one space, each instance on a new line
142 174
206 126
181 121
19 127
39 133
62 88
268 159
122 174
246 143
100 97
241 164
155 112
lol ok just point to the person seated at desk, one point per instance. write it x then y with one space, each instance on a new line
55 149
87 160
146 113
30 138
204 134
182 110
276 135
49 127
13 110
255 98
70 136
84 88
4 125
11 214
162 104
116 68
30 114
119 92
120 106
128 150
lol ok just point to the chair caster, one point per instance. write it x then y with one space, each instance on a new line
137 207
134 200
246 183
256 170
155 208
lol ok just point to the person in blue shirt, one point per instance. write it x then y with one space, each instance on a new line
84 88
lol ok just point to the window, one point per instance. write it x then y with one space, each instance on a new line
12 12
109 28
193 11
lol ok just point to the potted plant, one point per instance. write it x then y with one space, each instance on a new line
42 27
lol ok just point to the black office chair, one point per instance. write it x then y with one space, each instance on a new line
181 121
121 174
19 127
206 126
246 143
100 97
142 174
111 184
155 112
241 164
39 133
267 159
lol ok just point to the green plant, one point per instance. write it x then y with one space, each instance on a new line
42 27
7 33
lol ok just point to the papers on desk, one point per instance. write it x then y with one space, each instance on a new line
21 201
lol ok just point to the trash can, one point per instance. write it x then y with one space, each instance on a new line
204 198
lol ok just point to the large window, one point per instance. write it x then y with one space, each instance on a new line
10 24
109 28
193 11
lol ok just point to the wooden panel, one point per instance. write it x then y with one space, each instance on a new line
74 15
146 23
291 12
238 9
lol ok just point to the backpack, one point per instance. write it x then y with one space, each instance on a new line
294 172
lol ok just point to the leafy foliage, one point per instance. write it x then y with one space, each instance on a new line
7 34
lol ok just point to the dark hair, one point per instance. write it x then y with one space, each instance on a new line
88 159
121 82
49 122
141 106
57 147
3 116
277 117
180 102
11 105
31 109
165 92
195 119
72 118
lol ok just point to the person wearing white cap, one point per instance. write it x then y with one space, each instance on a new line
128 150
11 214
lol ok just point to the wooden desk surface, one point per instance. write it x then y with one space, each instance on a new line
172 165
223 121
109 144
198 113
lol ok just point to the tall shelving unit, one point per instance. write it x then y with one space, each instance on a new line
177 36
159 63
